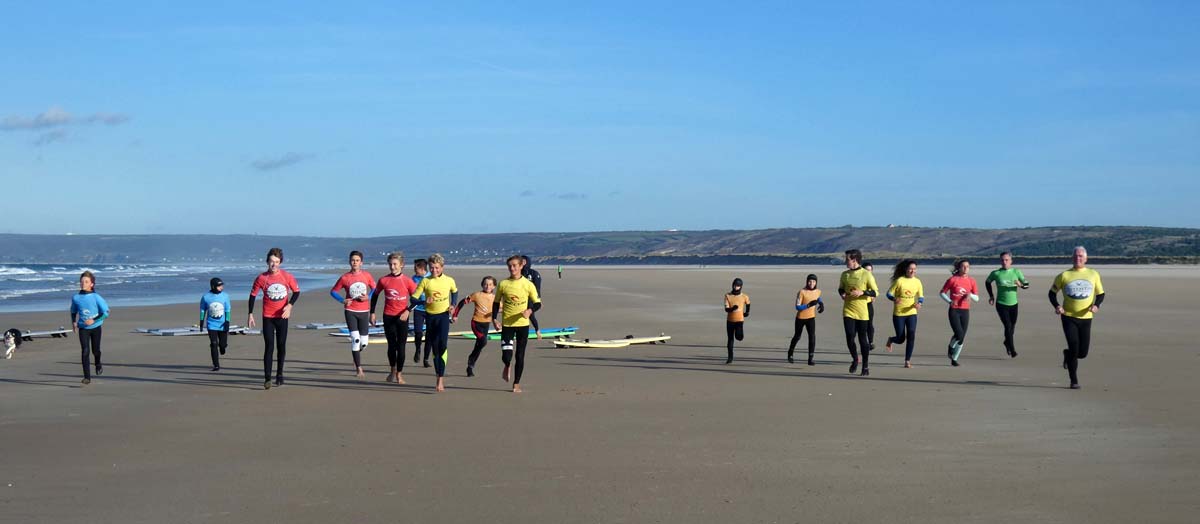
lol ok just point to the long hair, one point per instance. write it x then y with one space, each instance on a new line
958 264
901 268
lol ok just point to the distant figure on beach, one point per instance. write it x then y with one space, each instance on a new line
215 309
560 271
359 287
274 284
517 299
1082 295
856 287
440 293
1008 280
959 291
395 288
808 304
908 295
534 276
737 310
481 317
420 271
870 309
88 311
12 341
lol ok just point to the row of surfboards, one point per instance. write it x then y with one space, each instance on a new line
191 331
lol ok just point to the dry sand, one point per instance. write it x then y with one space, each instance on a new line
646 434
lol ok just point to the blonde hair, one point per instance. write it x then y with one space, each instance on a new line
396 255
438 259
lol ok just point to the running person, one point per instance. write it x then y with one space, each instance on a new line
908 295
959 291
870 308
528 272
215 309
88 311
737 309
1008 279
856 286
360 288
808 304
420 271
274 284
395 288
440 292
516 301
1082 295
481 319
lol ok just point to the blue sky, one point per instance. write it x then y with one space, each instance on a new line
362 119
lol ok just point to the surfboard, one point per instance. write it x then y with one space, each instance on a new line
322 325
161 330
561 332
616 343
61 332
233 330
570 343
379 331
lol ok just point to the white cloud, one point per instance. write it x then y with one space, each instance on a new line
58 117
285 160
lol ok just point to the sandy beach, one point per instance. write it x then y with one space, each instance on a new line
664 433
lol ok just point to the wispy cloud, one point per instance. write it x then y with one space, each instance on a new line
56 135
58 117
571 196
527 193
280 162
614 194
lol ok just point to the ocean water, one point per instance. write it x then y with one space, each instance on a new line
48 287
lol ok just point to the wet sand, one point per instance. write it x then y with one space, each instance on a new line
665 433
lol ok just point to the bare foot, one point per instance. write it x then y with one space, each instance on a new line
504 374
399 378
907 364
516 388
360 373
889 346
539 337
441 385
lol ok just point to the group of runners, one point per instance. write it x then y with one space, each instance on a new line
1080 287
429 298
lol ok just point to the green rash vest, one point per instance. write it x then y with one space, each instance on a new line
1007 282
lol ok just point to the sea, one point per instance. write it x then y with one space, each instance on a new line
48 287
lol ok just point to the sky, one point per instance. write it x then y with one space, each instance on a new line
364 119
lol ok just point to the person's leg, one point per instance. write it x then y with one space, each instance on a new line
959 332
480 330
522 342
355 338
898 327
910 330
871 324
730 333
390 330
1085 337
861 328
438 327
848 324
268 332
281 332
222 340
533 320
1012 328
85 345
811 325
94 334
418 335
1071 354
214 343
798 328
507 334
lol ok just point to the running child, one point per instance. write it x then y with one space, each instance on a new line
959 291
420 271
215 309
88 311
856 286
1008 280
359 287
534 276
908 295
395 288
440 293
516 302
737 310
808 304
481 319
274 284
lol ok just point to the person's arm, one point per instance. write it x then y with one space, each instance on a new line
987 284
1022 280
203 313
458 307
333 291
1053 295
103 307
374 300
295 297
1099 300
729 308
337 296
974 291
746 313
